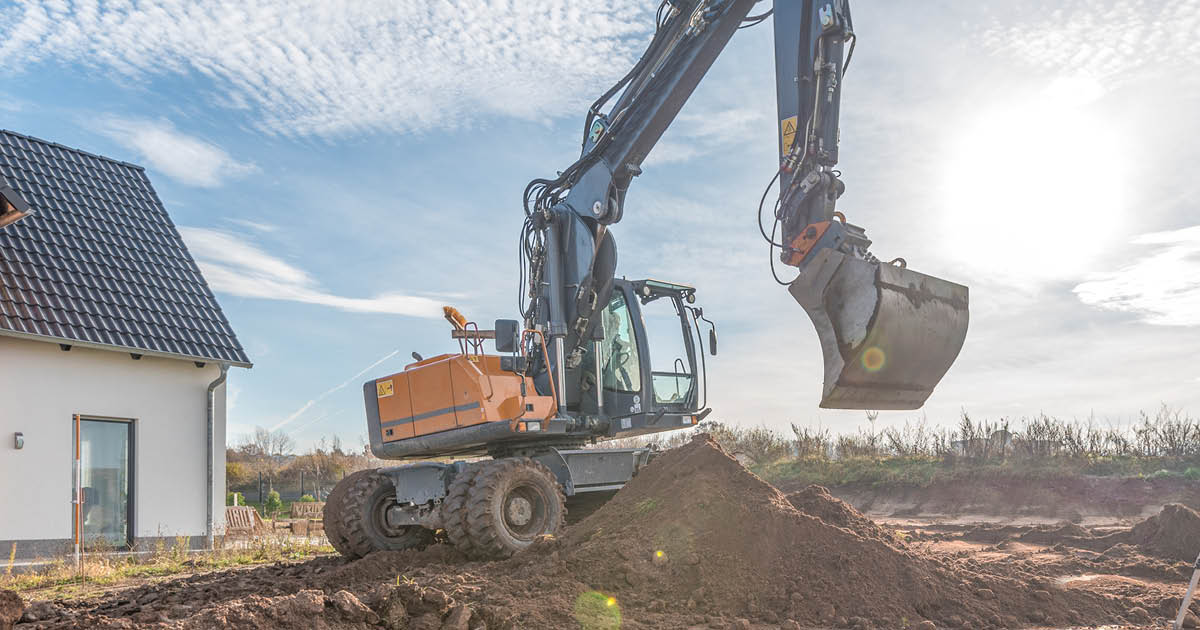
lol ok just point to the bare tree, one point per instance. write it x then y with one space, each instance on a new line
267 451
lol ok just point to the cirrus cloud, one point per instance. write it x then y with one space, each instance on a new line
332 67
185 158
233 265
1163 287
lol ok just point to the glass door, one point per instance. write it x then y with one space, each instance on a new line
106 476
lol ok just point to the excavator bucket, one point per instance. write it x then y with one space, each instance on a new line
887 334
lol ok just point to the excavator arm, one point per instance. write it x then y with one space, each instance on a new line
888 334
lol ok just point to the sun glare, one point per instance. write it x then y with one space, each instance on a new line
1035 188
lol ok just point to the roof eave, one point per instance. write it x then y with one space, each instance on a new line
103 346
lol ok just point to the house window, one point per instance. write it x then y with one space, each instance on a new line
106 476
12 206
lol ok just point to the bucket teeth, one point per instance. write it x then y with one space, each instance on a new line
888 335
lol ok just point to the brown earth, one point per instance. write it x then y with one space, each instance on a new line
694 541
1084 500
11 609
1173 533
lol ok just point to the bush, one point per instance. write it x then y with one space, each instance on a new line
273 505
1164 474
760 444
229 496
236 474
308 498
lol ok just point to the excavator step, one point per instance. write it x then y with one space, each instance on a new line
888 334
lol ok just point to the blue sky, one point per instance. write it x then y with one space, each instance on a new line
342 169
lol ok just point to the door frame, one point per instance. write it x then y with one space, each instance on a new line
77 421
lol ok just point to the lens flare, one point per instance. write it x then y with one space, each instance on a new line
659 553
596 611
873 359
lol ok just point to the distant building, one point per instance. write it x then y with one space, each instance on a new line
110 342
998 443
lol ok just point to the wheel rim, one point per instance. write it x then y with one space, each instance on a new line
379 517
525 511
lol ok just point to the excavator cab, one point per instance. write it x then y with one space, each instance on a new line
645 372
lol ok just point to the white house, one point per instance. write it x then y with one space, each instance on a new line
113 353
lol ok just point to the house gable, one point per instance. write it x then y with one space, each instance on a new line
98 262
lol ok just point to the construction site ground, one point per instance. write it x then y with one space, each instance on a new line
697 541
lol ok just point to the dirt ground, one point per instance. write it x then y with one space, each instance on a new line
697 541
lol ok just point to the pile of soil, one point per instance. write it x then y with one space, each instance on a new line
11 609
699 530
1064 532
1172 533
817 501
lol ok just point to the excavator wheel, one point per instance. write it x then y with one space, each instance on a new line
334 506
363 527
511 503
454 509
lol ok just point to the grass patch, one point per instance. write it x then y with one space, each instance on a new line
1162 446
165 560
646 506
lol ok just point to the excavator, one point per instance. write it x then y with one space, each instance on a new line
500 442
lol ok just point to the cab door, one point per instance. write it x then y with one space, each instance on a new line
623 370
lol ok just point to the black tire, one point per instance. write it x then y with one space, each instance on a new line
363 526
511 503
454 509
335 505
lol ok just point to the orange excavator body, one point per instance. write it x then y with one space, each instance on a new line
451 391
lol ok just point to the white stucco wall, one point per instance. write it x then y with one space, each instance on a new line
42 387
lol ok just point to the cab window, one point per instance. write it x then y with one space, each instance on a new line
670 361
618 352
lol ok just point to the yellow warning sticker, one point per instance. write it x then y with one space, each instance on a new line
788 128
383 389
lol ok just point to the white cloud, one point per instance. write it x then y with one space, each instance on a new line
694 135
178 155
1100 38
1163 287
254 225
333 67
238 267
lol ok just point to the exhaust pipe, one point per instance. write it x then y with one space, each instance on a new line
888 335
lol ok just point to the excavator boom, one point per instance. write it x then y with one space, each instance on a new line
887 334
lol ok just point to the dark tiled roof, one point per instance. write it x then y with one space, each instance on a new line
99 262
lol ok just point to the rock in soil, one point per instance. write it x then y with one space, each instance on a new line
12 607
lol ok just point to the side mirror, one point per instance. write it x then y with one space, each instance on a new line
507 332
712 341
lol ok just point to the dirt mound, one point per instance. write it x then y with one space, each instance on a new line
696 528
1172 533
817 501
1066 532
11 609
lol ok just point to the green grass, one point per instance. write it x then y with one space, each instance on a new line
102 569
646 506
